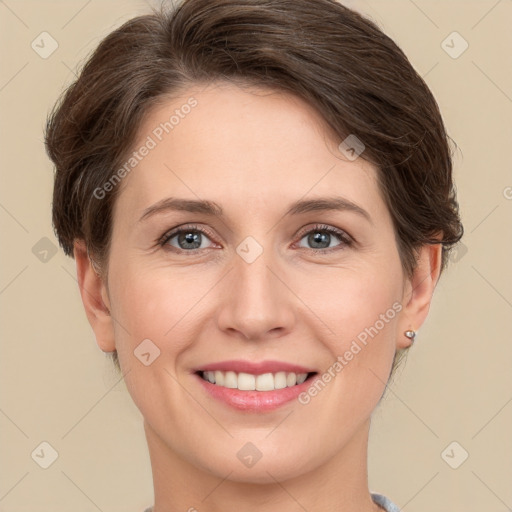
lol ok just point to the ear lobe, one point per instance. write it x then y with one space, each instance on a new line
95 298
420 290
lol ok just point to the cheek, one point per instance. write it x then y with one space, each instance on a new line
137 293
359 314
159 304
154 316
353 303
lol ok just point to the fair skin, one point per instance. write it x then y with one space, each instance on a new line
253 154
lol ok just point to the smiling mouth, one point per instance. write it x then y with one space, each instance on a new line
250 382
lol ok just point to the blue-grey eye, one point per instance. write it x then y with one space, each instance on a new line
187 239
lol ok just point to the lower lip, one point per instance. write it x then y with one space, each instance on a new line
257 401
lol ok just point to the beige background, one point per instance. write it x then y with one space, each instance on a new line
58 387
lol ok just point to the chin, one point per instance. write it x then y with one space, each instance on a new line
279 466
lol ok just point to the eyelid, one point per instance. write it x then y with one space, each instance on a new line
324 227
184 227
344 237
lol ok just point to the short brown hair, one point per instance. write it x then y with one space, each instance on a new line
338 61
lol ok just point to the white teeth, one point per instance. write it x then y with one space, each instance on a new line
301 377
280 380
230 380
250 382
219 378
291 379
246 382
265 382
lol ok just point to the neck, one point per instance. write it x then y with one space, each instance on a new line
339 485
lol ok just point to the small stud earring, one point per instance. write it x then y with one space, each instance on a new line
410 334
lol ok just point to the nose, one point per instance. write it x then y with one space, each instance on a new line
256 302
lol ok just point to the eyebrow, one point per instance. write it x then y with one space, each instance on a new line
213 209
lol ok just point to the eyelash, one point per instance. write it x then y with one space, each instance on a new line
345 239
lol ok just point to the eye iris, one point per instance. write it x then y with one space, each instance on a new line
319 238
190 238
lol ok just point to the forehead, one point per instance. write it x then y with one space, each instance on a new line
251 145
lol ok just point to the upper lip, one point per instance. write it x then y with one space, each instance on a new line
256 368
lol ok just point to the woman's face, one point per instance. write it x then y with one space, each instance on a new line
275 279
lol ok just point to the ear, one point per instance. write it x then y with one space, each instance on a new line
95 298
419 290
